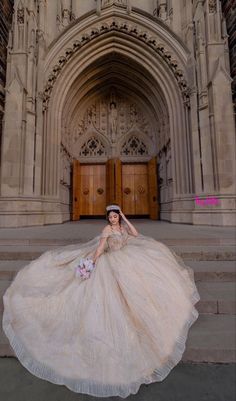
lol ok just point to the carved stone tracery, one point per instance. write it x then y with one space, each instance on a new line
134 147
113 116
116 2
20 14
93 147
212 6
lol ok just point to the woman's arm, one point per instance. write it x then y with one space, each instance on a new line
101 245
132 229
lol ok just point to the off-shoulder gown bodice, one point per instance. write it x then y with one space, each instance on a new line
105 336
116 239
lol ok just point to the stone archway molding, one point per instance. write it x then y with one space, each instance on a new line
162 80
158 40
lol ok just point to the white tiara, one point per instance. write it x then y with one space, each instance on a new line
112 207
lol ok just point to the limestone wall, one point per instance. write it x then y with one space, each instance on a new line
6 9
168 62
229 10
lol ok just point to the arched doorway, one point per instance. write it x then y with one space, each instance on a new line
121 71
112 124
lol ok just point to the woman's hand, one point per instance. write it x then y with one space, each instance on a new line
122 215
132 229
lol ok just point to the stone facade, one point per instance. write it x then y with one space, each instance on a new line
6 10
130 79
229 11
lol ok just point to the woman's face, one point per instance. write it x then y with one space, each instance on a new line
113 218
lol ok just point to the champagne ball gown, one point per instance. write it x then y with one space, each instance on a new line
104 336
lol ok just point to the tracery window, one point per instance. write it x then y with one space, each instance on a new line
118 2
134 147
93 147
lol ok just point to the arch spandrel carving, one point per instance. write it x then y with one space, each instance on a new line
98 117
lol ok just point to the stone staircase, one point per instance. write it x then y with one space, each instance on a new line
211 338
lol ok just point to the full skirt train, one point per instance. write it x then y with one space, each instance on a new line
105 336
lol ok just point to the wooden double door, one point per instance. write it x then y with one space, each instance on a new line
89 190
135 191
133 186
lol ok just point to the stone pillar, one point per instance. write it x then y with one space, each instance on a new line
220 102
215 115
19 127
6 10
229 24
200 46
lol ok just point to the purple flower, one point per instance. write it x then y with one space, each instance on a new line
84 269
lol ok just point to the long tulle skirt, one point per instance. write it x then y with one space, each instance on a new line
105 336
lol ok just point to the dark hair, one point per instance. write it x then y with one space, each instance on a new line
115 211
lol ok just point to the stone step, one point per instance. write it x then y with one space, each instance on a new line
210 270
203 270
210 339
206 253
194 254
167 241
9 268
216 298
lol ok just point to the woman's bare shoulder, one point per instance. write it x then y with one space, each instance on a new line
106 229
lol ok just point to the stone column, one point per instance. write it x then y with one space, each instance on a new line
19 127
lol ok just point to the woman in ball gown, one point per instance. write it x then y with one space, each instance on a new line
125 325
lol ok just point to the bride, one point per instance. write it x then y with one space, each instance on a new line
125 325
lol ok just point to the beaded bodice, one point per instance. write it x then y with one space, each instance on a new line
116 239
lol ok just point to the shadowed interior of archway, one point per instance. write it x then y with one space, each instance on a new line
141 125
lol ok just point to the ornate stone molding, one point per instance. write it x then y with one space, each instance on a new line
113 123
212 6
128 29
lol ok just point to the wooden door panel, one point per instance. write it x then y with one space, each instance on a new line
141 193
118 182
135 189
140 169
109 182
86 190
76 190
99 189
153 189
128 189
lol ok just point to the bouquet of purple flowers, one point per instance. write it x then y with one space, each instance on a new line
84 269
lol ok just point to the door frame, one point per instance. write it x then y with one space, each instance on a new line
114 185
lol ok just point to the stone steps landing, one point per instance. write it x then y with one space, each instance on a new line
196 253
216 298
211 338
219 271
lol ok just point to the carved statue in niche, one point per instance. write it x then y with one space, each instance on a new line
133 114
91 115
113 117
